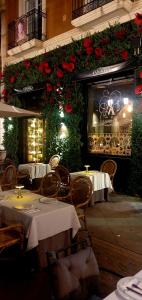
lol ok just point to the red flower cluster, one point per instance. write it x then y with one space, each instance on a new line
69 67
99 52
49 87
140 74
89 50
138 19
68 108
27 64
4 92
104 41
60 73
87 42
138 89
124 54
44 68
73 58
12 79
120 35
1 75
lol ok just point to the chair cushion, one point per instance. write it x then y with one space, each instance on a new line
76 276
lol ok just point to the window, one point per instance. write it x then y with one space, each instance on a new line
110 106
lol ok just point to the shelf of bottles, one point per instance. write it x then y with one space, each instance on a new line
35 140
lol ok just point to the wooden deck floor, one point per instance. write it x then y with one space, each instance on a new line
116 229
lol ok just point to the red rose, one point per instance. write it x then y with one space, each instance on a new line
89 50
138 89
47 70
87 43
49 87
120 34
71 67
65 65
68 66
41 67
4 92
138 19
1 75
124 54
12 79
45 64
72 58
139 30
104 41
98 52
79 51
59 73
27 64
140 74
68 108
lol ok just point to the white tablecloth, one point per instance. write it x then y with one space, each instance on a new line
116 296
99 180
45 221
35 170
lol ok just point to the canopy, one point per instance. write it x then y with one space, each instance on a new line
7 110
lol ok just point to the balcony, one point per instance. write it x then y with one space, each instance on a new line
88 13
29 27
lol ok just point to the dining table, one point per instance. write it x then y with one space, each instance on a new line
35 170
101 183
49 224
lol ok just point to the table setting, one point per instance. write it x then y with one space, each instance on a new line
128 288
38 214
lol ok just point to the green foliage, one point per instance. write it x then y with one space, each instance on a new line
55 71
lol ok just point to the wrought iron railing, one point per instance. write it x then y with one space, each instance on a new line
81 7
27 27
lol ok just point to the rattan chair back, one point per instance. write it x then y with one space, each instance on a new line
9 178
109 166
54 161
50 185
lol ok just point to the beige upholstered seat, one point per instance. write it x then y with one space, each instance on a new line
74 272
109 166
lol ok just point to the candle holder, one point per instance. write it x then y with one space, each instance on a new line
87 167
19 191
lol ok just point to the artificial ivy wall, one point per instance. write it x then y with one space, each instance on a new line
56 71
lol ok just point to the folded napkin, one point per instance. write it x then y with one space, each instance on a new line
135 285
130 288
32 210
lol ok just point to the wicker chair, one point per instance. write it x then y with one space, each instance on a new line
109 166
54 161
64 174
79 195
50 185
11 235
9 178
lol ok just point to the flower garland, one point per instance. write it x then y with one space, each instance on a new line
56 70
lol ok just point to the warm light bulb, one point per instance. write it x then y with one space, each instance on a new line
125 100
130 108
